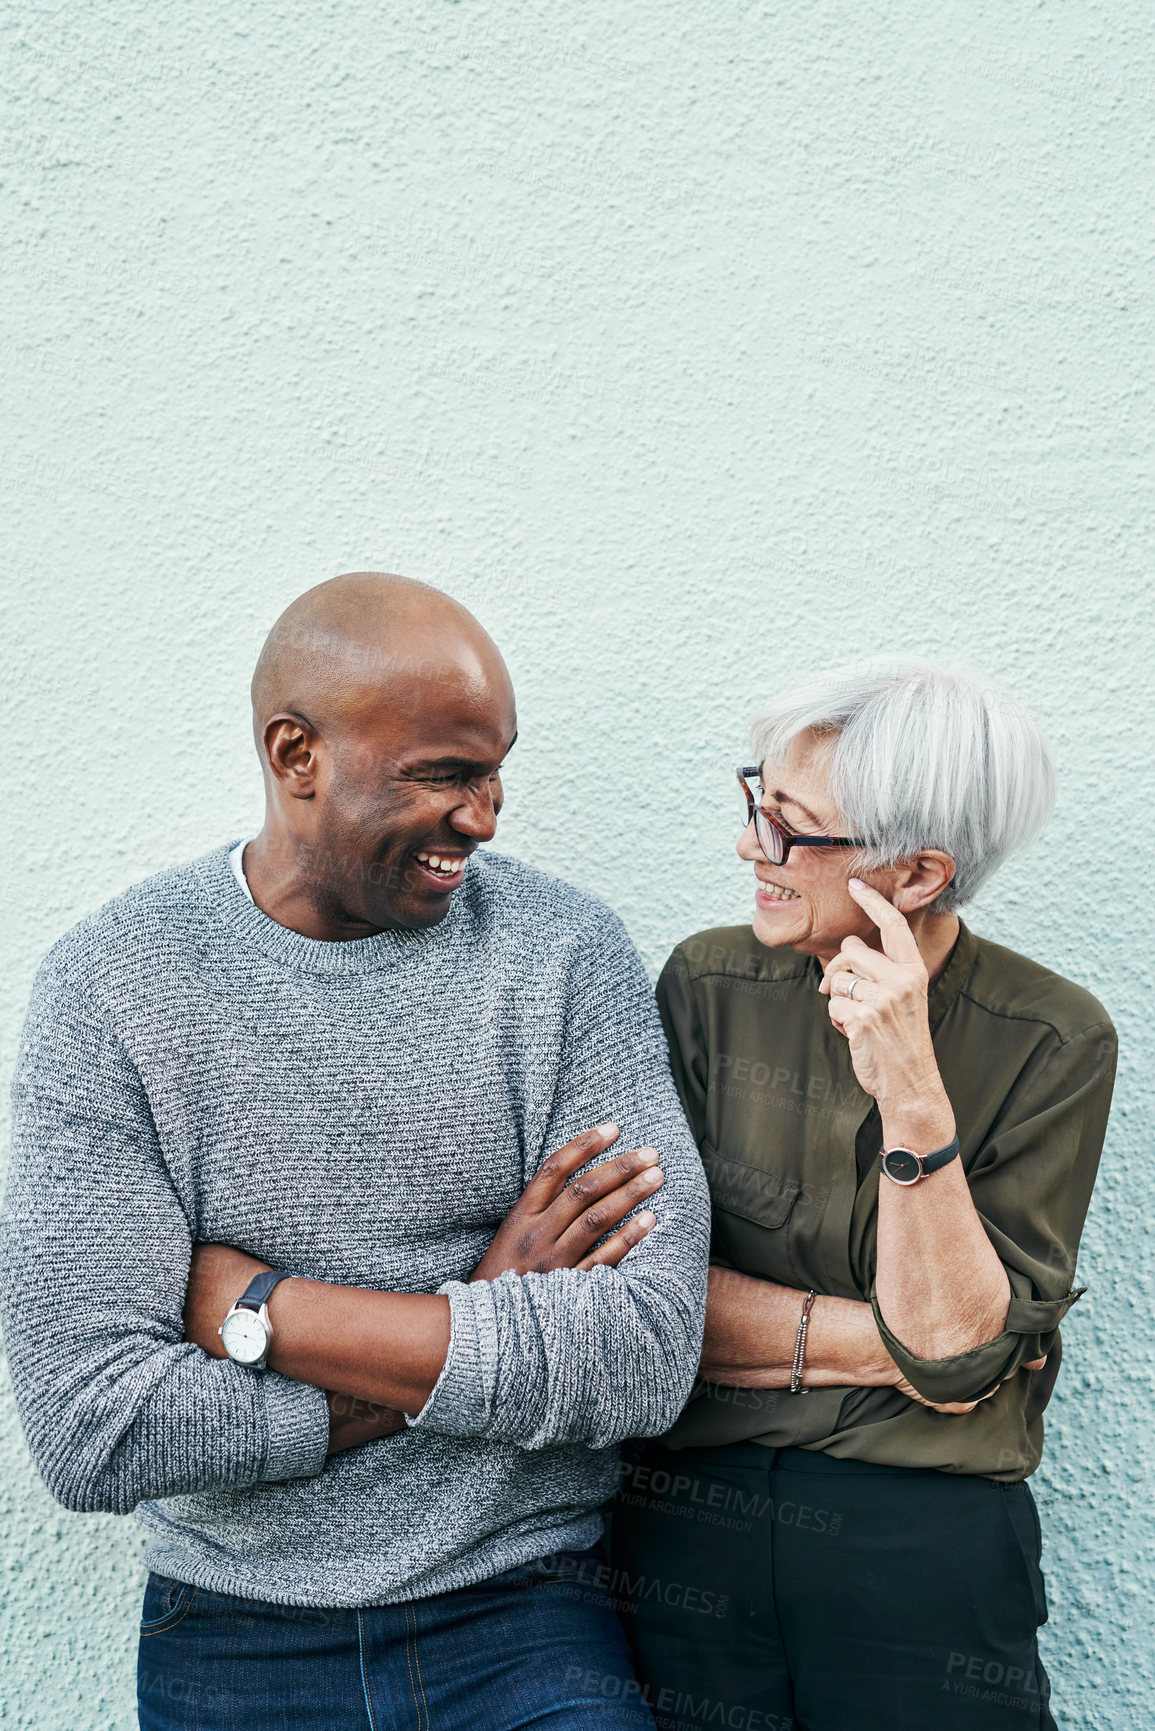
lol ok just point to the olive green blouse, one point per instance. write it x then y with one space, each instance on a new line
790 1143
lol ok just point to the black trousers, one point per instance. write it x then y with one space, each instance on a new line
783 1590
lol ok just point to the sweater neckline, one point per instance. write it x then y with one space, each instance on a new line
319 955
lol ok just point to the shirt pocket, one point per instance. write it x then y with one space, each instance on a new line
752 1208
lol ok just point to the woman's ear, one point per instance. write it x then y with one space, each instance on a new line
923 881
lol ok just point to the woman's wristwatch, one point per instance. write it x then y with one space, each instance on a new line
246 1333
904 1166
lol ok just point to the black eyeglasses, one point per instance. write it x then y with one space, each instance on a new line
772 838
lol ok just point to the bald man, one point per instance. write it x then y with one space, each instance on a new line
353 1221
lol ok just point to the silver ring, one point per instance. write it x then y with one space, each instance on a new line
850 988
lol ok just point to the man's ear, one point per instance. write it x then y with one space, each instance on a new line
291 749
922 881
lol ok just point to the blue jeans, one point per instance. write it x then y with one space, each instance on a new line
537 1646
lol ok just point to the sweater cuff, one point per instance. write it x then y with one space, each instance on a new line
461 1401
297 1418
971 1375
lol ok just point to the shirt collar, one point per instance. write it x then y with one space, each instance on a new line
954 976
949 983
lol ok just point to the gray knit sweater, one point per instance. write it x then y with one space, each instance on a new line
361 1112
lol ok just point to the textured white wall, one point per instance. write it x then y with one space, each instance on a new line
691 347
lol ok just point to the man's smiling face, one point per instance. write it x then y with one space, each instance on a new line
413 788
383 713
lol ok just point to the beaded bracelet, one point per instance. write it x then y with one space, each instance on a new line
800 1345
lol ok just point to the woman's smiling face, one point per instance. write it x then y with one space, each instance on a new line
805 903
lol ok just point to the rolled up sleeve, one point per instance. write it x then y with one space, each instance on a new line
1031 1180
1031 1325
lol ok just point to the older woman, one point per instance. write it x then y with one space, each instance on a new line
901 1123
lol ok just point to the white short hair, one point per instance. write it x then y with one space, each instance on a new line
921 758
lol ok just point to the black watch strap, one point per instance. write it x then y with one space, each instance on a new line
257 1291
928 1162
940 1157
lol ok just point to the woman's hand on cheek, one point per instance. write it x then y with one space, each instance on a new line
885 1021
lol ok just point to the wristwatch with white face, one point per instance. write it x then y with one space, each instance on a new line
904 1166
246 1333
